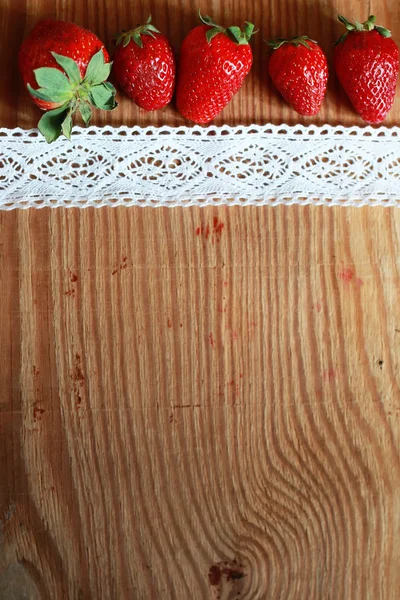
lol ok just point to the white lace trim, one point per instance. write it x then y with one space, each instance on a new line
188 166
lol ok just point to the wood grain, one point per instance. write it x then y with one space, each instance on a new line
191 416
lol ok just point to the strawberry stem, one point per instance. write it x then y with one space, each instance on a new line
236 34
299 40
72 92
135 35
368 25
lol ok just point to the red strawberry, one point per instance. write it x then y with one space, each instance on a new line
144 66
367 65
299 70
214 62
65 69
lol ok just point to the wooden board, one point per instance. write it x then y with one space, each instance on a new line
190 417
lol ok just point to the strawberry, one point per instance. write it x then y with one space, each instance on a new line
144 66
299 70
65 68
367 65
214 62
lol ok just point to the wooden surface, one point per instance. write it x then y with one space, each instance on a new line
199 417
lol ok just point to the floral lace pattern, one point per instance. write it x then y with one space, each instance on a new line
188 166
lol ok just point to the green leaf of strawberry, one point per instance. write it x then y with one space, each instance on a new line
70 67
101 97
248 30
50 125
97 70
52 80
41 94
136 38
236 34
66 126
298 40
86 112
68 86
385 32
368 25
72 92
135 34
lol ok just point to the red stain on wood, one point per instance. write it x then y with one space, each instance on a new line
215 575
212 341
73 279
37 410
234 336
329 374
226 571
77 373
169 323
234 386
318 306
122 265
346 274
77 376
217 225
211 232
37 413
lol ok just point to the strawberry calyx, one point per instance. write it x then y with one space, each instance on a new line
236 34
72 93
298 40
134 35
368 25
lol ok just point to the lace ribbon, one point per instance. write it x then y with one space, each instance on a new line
188 166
